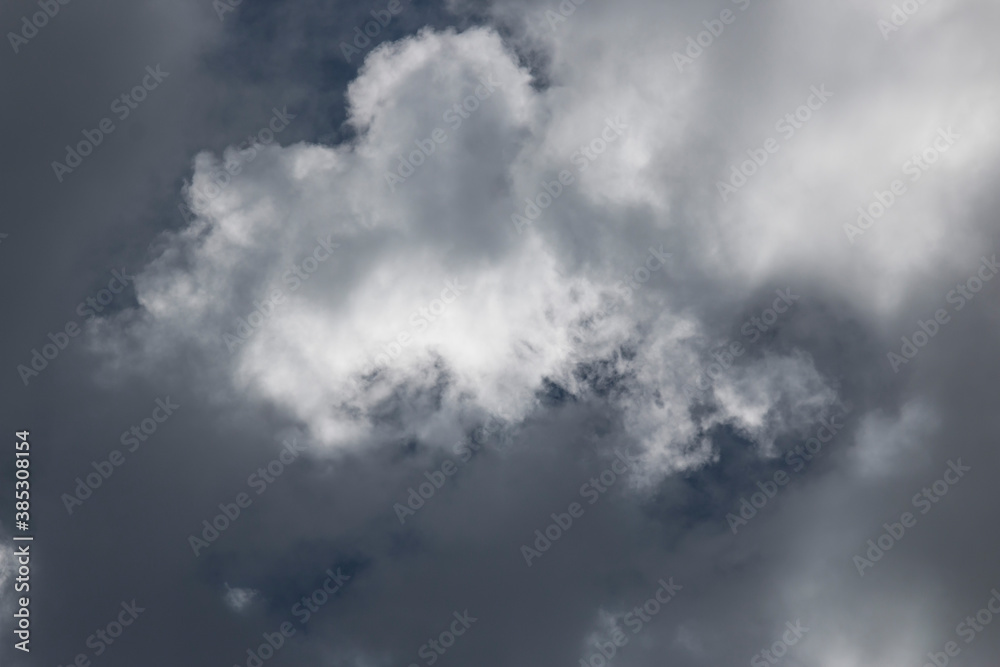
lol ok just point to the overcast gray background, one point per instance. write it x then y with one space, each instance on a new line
334 507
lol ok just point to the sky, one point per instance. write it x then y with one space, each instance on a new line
500 332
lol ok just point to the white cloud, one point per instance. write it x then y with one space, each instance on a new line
492 347
508 328
238 599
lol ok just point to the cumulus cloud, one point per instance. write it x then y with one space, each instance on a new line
426 302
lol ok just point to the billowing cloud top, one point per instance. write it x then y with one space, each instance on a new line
480 237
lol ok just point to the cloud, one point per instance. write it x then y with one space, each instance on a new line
238 599
433 309
888 446
381 292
